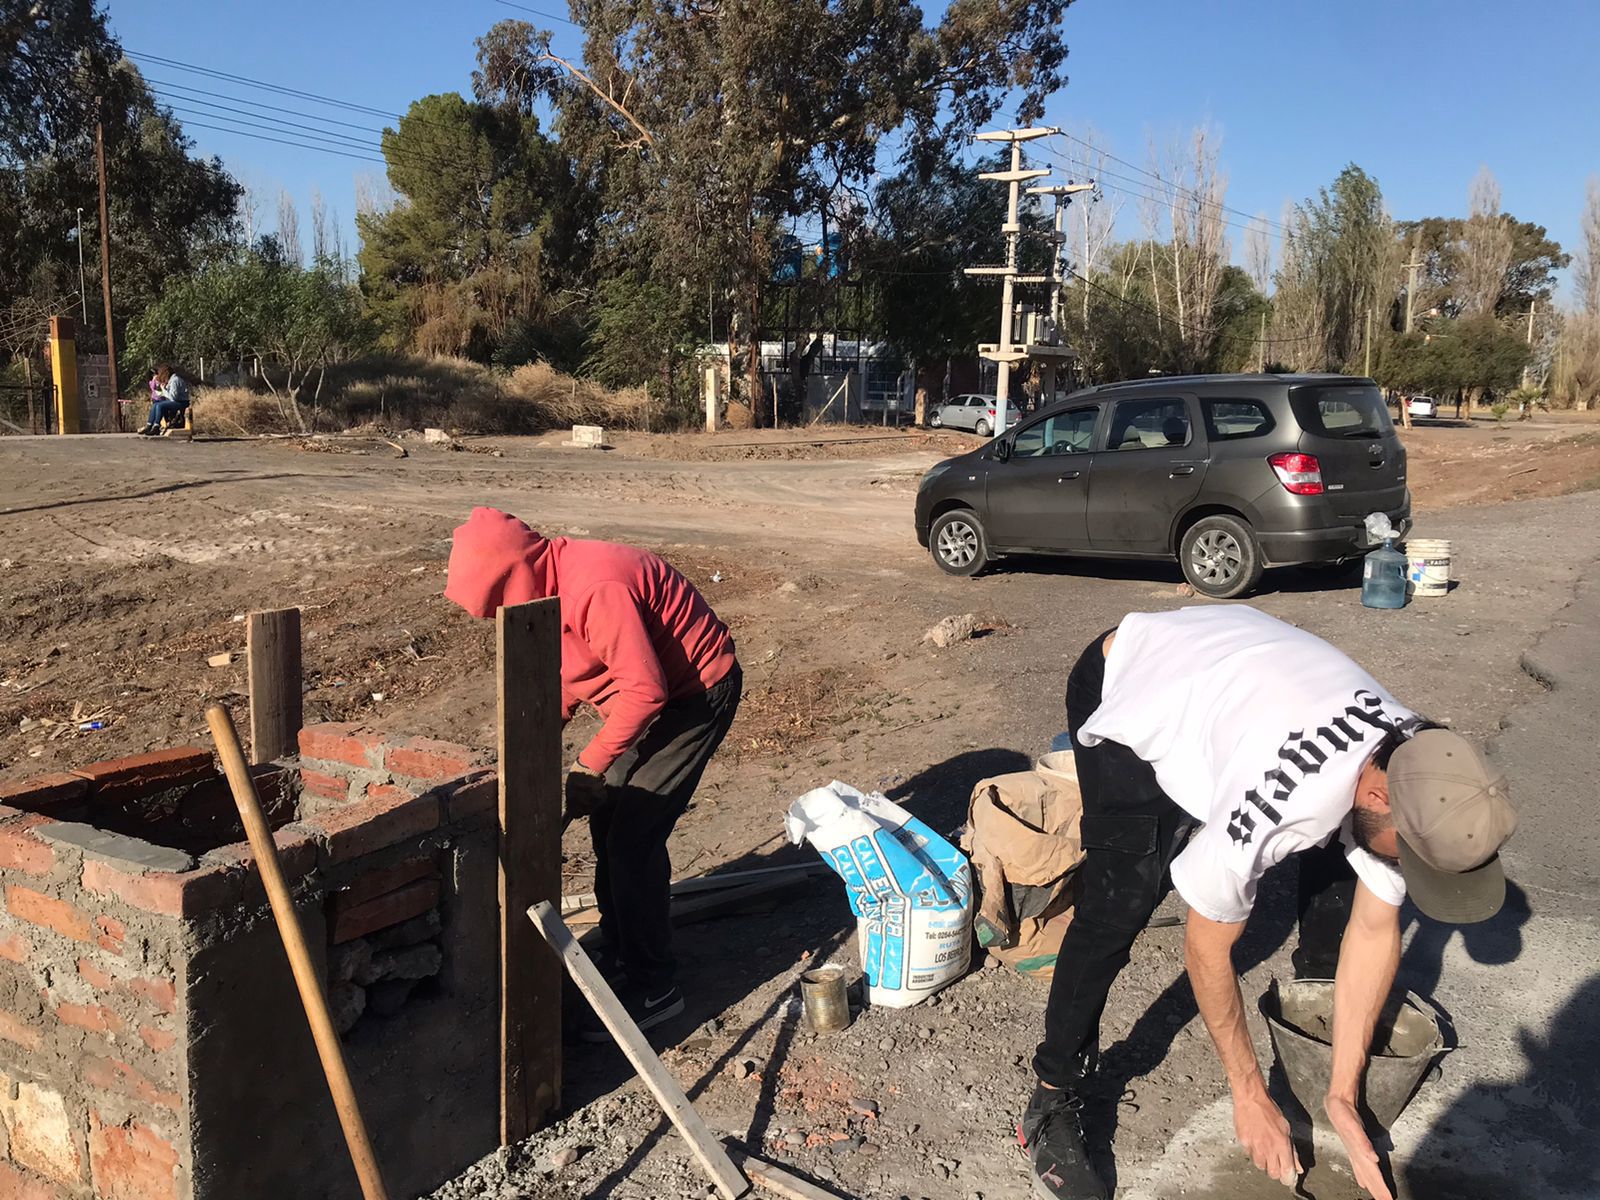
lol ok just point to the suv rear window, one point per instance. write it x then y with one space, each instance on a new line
1338 411
1230 419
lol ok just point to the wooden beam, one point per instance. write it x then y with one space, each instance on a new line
775 1179
669 1094
272 647
529 688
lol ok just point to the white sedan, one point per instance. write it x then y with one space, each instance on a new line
974 412
1423 406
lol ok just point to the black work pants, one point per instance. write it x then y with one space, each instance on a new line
647 790
1131 833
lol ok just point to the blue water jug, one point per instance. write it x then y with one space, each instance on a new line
1383 579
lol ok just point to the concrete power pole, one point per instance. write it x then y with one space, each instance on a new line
105 259
1412 268
1527 367
1063 193
1004 353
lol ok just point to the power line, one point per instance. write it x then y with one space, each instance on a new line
312 132
1169 184
178 87
536 12
262 84
1131 188
261 137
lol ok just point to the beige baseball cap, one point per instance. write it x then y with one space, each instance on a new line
1453 812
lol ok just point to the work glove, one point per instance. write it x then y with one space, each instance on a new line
585 791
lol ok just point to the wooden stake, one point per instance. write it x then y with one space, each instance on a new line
272 645
776 1180
294 945
530 863
713 1158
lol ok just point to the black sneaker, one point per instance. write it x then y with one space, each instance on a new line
1051 1135
648 1006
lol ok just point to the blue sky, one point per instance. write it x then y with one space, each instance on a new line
1420 93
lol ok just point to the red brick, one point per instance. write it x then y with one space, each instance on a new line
426 758
146 774
111 1075
474 798
320 783
159 992
94 976
66 919
371 884
111 935
158 1040
15 948
168 893
358 920
342 742
131 1162
14 1029
94 1017
21 851
17 1184
376 822
44 793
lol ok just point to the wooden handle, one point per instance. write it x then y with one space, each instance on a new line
294 944
669 1095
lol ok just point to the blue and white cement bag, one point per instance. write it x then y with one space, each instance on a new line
911 890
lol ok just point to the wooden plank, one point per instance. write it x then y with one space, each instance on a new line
775 1179
713 1158
272 647
529 689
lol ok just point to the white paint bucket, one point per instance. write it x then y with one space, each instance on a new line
1428 566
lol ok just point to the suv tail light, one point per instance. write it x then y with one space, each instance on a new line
1300 474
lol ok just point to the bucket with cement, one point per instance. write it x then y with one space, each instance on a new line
1428 566
1300 1019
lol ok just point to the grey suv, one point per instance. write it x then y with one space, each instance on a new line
1230 474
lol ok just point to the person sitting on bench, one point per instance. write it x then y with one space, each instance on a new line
171 403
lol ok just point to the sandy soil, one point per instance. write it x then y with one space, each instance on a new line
124 564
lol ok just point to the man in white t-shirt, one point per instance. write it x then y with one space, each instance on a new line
1262 740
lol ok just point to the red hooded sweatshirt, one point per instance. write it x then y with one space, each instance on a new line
634 632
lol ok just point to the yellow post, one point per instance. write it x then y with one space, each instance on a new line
64 373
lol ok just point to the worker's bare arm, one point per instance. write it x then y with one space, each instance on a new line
1260 1126
1368 959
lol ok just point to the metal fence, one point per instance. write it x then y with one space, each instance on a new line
27 409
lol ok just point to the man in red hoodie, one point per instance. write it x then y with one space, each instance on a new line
640 644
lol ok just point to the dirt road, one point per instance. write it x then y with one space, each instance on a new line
124 564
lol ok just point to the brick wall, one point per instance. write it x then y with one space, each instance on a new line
152 1045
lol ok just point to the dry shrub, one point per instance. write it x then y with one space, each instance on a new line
563 400
231 411
414 392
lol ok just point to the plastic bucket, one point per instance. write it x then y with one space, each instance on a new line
1428 566
1300 1019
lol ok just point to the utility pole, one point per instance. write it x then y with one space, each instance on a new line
83 293
1412 268
1261 346
1368 370
1004 353
1063 193
1533 305
105 258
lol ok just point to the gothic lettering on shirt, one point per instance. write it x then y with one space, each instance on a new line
1302 756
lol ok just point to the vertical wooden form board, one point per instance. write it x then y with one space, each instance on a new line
530 863
272 653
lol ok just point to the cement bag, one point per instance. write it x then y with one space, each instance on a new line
911 890
1022 834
